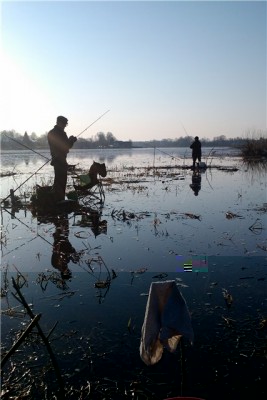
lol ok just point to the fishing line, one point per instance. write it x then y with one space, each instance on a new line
27 226
47 157
18 247
170 154
39 154
164 152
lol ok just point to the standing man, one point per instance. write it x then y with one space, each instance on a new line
196 151
60 144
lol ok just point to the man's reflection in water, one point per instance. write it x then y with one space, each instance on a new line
98 226
196 182
63 252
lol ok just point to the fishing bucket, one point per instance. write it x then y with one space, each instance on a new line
202 165
44 197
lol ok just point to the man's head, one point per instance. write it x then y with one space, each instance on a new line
62 121
196 138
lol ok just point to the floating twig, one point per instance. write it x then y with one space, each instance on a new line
230 215
193 216
27 331
262 247
263 324
139 271
229 321
44 338
227 297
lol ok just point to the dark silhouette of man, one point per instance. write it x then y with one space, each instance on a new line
196 151
60 144
196 182
63 252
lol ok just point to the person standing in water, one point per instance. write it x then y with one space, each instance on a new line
196 151
60 144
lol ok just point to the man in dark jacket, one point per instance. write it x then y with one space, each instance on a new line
196 151
60 144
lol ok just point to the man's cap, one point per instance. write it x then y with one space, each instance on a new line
196 138
62 119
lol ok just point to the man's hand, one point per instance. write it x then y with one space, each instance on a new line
73 139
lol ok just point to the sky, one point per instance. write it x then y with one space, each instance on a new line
163 69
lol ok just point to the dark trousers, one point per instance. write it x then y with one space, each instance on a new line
60 181
196 157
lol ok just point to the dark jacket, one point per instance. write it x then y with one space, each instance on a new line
196 148
59 144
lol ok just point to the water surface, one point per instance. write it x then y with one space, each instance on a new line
151 222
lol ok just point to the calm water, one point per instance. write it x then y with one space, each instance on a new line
150 223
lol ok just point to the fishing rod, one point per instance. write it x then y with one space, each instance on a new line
164 152
39 154
185 129
50 158
27 147
93 122
13 191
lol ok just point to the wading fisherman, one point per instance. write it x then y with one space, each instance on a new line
60 144
196 151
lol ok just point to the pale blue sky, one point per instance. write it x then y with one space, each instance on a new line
155 65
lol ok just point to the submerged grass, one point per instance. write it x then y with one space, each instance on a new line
230 343
255 148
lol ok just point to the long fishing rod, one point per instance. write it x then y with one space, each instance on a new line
50 158
26 147
93 122
39 154
164 152
185 129
13 191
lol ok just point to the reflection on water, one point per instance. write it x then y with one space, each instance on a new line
91 269
196 182
63 251
127 157
98 341
88 217
255 170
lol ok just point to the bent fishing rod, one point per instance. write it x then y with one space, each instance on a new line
48 159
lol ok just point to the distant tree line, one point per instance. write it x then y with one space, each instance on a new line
185 141
11 140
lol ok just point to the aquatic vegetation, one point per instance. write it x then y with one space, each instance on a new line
193 216
255 148
93 316
263 324
231 215
227 297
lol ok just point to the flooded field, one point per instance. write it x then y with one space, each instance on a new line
88 272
